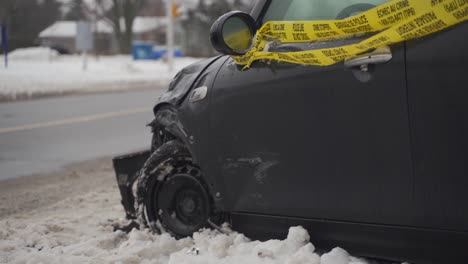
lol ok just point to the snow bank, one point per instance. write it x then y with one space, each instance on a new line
32 73
34 53
79 229
76 208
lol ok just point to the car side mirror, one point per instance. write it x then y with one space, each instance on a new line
233 33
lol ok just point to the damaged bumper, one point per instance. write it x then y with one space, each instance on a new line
127 168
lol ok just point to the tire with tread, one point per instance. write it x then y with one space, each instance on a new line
171 162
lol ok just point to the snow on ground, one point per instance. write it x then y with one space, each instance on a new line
38 53
68 217
35 72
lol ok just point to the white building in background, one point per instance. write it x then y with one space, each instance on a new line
61 35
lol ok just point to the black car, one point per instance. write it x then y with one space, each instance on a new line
370 155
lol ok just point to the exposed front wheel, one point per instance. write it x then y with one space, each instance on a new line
182 202
172 193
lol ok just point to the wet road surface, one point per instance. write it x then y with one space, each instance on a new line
44 135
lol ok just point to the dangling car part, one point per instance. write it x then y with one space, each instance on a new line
171 190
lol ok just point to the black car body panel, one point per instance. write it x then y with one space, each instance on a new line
306 121
183 82
376 165
437 72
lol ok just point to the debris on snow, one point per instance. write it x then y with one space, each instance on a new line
193 251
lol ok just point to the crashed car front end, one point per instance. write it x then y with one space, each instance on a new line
127 167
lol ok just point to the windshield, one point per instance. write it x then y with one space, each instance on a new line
290 10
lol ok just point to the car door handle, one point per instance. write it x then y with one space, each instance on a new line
378 56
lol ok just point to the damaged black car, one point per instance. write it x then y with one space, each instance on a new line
370 155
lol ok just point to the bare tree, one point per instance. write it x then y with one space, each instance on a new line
75 10
120 14
126 10
25 19
198 21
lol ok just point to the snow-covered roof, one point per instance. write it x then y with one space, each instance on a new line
67 29
145 24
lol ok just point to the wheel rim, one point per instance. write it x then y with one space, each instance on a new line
182 204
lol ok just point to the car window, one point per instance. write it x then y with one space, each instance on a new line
288 10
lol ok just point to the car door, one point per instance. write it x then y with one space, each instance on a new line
438 96
314 142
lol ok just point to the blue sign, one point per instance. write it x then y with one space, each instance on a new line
5 43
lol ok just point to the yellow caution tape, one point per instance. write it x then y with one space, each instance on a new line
398 20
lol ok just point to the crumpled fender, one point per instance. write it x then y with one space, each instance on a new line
127 167
183 83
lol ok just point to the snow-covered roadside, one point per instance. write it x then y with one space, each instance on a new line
74 225
35 72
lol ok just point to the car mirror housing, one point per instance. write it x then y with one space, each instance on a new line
233 33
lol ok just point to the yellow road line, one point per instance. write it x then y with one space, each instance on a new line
74 120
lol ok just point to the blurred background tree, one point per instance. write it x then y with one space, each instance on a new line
75 11
26 18
198 20
127 10
120 14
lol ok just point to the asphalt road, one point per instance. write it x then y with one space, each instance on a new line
44 135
